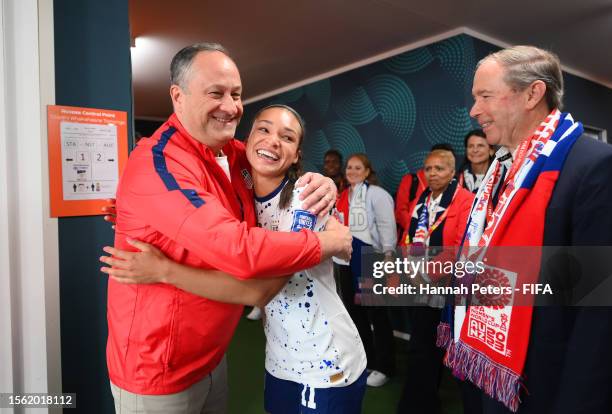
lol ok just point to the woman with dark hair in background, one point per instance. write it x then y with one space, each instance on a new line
332 168
367 210
478 158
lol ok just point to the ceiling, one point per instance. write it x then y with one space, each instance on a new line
279 45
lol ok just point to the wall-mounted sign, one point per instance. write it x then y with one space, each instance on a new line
87 152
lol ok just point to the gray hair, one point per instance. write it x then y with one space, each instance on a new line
181 62
527 64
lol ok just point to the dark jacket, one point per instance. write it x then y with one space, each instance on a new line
569 359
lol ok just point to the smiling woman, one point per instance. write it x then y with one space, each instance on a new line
478 159
274 150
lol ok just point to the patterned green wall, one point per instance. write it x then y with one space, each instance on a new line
393 110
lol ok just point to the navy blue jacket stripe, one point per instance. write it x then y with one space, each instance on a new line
159 160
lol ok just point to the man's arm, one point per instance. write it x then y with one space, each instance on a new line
150 265
319 195
199 222
586 380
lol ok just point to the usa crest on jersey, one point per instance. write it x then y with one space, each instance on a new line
303 219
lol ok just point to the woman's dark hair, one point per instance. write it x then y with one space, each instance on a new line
295 170
475 132
478 132
371 178
443 146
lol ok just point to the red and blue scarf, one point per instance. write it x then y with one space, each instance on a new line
487 345
420 234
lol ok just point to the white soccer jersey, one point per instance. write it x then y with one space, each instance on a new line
311 338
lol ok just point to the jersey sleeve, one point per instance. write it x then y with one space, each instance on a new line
294 218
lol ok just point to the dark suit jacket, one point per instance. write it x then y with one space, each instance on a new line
569 359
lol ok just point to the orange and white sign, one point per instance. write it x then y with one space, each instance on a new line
87 152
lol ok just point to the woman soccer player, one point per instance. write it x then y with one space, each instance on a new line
315 360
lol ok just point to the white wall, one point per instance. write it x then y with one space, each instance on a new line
29 269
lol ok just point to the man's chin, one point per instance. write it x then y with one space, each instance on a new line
224 135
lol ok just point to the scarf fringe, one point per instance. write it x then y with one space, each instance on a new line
443 339
494 379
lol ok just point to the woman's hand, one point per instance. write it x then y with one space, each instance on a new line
147 266
110 211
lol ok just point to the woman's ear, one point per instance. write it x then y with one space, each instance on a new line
298 156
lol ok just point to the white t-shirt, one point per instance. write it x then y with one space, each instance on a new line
224 164
311 338
432 210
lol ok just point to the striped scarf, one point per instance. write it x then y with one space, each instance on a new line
487 345
423 234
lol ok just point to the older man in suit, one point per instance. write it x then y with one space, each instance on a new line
549 186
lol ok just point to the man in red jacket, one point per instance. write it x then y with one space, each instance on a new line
188 190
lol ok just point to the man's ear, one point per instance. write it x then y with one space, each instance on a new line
176 94
535 93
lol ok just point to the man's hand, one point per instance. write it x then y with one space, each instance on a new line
147 266
319 195
336 240
111 211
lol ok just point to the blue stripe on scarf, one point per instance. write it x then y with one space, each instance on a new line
557 158
555 161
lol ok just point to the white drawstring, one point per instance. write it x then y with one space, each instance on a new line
311 398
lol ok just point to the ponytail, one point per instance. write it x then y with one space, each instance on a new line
293 173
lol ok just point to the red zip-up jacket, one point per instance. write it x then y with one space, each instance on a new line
174 195
403 203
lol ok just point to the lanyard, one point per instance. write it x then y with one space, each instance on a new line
440 219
